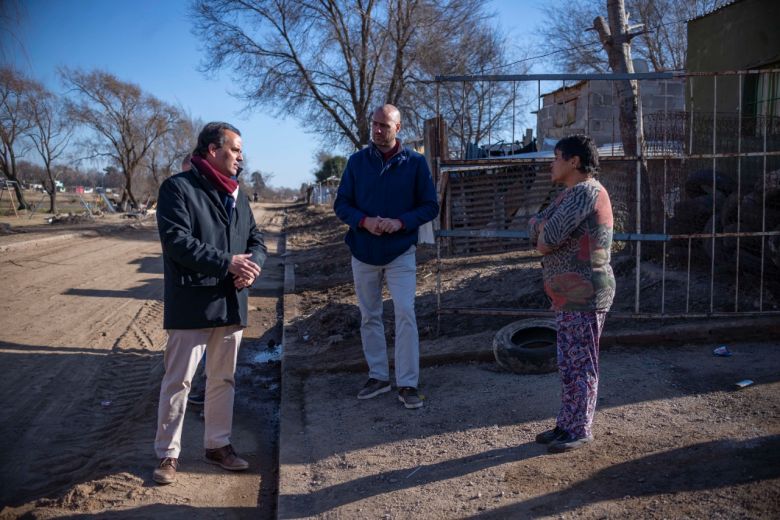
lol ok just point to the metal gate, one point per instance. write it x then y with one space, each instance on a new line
703 218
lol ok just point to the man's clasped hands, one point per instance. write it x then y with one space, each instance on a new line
379 225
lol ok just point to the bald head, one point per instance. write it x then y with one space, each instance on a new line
389 111
385 125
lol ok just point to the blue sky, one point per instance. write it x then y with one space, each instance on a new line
149 42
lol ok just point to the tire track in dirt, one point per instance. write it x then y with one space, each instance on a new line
109 274
63 368
89 448
125 394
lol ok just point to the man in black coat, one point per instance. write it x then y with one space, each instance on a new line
212 253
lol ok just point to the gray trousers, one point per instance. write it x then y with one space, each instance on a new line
401 278
183 352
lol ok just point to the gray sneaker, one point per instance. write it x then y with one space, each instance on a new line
409 397
373 388
568 443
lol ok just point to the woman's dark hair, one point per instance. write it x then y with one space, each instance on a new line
213 133
583 147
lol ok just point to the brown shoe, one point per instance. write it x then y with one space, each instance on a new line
165 473
226 458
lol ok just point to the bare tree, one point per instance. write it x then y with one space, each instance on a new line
16 120
328 62
616 37
124 120
12 14
167 153
50 135
473 111
661 42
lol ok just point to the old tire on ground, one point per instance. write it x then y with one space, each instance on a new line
527 346
700 183
690 215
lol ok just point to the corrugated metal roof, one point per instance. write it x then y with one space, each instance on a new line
727 4
567 87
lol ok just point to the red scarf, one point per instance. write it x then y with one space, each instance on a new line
221 182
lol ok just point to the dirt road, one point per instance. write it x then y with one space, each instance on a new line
81 350
674 438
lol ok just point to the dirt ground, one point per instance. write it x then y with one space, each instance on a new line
81 347
674 438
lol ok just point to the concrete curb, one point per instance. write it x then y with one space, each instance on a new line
321 358
291 403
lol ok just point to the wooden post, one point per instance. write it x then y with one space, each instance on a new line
436 151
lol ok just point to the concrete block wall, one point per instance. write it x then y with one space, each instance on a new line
597 110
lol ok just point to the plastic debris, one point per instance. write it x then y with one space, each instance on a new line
744 383
105 403
722 351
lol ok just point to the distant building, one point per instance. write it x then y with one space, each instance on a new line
591 107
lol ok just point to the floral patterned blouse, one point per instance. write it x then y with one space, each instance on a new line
577 226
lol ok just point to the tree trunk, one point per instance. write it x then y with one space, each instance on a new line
51 189
131 197
9 165
19 194
127 195
364 130
616 41
53 202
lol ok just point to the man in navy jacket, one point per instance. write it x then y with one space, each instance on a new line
212 254
386 194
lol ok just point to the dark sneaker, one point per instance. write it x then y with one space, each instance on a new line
197 398
568 443
373 388
165 473
550 435
226 458
409 397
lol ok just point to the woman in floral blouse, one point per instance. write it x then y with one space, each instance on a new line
574 233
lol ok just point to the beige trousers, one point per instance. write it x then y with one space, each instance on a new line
183 352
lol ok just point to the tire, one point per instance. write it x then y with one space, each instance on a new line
752 215
691 215
700 183
720 245
527 346
773 247
728 211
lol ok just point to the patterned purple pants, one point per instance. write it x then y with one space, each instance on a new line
578 366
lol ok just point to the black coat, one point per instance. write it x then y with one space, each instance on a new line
197 245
